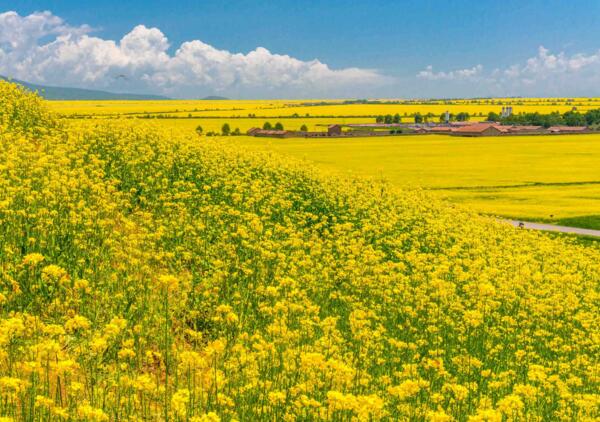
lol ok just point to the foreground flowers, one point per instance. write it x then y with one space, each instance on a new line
146 277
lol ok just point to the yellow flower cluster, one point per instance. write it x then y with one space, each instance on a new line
151 277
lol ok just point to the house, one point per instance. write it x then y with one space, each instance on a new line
272 133
253 131
459 124
438 129
516 130
334 130
568 129
480 129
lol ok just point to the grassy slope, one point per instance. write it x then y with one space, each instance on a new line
146 276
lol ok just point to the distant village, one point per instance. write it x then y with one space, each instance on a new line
448 127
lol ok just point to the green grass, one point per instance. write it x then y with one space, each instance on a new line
540 178
585 221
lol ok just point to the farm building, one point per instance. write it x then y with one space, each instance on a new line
459 124
480 129
334 130
568 129
437 129
270 133
525 129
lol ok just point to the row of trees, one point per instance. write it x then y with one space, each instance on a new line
388 118
269 126
226 129
569 118
423 118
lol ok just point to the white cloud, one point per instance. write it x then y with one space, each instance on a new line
42 48
460 74
545 74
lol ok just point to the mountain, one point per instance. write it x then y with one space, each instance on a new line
65 93
215 97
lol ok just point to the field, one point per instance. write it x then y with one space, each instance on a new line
537 178
313 108
545 178
149 274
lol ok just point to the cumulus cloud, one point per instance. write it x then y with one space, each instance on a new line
460 74
43 48
545 74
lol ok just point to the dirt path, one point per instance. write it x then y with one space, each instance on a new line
554 228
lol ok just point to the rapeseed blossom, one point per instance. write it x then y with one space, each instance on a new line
147 276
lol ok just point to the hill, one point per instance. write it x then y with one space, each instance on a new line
66 93
215 97
150 276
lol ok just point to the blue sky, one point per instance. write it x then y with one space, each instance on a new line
397 40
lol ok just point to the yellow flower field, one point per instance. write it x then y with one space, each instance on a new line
548 178
541 178
152 275
335 108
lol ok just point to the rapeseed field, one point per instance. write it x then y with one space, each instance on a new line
477 108
538 178
148 275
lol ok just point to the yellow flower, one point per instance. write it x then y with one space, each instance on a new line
55 273
510 405
486 415
473 318
207 417
126 353
407 389
32 259
11 384
179 402
439 416
77 323
168 282
98 345
277 397
89 413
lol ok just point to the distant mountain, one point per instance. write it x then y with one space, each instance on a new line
215 97
64 93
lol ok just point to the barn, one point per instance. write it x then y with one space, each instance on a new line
568 129
480 129
334 130
274 133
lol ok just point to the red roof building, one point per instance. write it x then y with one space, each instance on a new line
480 129
438 129
568 129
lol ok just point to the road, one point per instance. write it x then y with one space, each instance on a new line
553 228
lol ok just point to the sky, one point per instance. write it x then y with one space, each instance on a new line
306 49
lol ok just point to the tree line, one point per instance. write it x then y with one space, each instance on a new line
424 118
226 129
568 118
